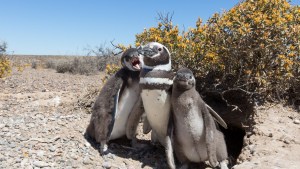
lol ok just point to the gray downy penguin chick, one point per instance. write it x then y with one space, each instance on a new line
117 109
156 80
196 138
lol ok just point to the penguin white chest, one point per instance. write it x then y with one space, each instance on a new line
190 134
126 102
157 107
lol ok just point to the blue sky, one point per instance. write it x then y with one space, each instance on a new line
67 27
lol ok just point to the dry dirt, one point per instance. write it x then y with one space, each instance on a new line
42 126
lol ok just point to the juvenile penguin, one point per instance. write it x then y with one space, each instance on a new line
156 80
196 138
117 109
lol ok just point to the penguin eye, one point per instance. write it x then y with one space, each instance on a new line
191 76
159 49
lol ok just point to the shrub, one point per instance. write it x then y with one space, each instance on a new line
64 67
50 64
254 47
86 65
34 64
5 66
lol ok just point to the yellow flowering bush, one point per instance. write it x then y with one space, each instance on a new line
110 69
255 46
5 66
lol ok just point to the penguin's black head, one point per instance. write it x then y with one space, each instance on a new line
184 79
155 54
131 59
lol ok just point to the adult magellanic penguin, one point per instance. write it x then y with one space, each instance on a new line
117 110
156 80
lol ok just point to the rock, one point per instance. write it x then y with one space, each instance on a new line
5 129
3 142
296 121
106 164
86 160
87 144
74 156
24 162
12 145
40 164
18 160
2 126
286 141
130 167
252 148
40 153
52 148
31 125
110 156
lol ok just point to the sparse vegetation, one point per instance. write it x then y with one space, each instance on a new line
5 66
34 65
86 65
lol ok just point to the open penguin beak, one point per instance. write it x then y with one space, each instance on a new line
135 62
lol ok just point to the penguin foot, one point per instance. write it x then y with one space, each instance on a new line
184 166
134 142
103 148
223 164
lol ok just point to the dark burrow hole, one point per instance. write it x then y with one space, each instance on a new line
236 109
234 137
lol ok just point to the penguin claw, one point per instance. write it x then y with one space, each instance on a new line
223 164
103 149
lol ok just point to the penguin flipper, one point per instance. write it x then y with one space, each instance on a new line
210 138
216 116
169 143
116 92
115 110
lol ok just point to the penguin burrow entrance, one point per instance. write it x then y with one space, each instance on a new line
234 141
235 107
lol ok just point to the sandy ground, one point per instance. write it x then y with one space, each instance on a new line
274 141
42 126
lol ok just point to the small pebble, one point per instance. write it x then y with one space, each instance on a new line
2 125
296 121
75 157
86 161
52 148
40 153
286 141
106 164
87 144
40 164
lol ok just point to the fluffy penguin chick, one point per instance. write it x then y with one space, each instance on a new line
117 109
196 138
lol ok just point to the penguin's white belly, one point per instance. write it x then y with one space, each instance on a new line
126 102
157 106
190 135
